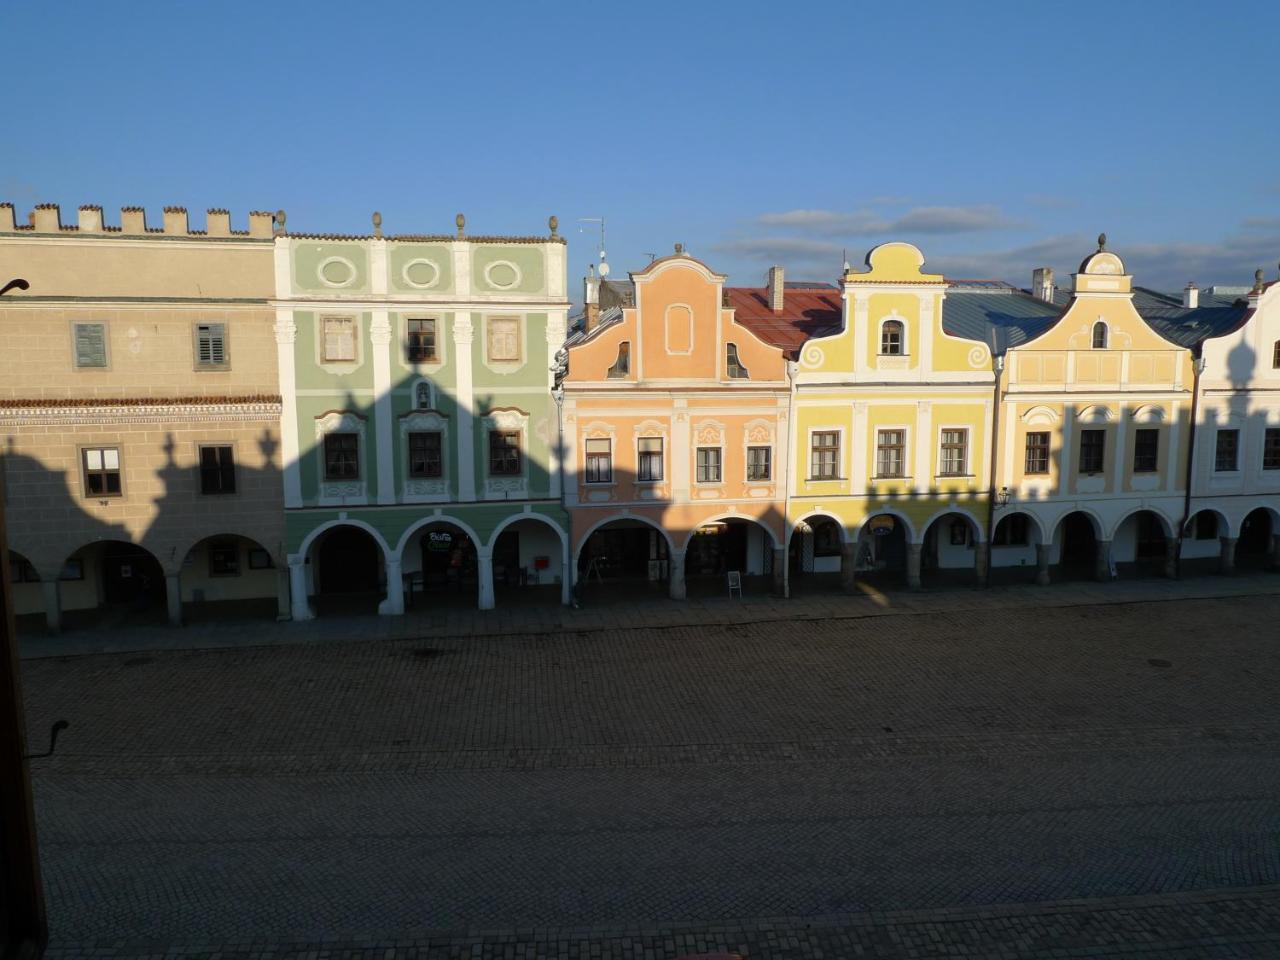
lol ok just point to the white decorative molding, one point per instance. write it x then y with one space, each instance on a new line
1147 413
463 335
515 271
708 433
322 272
157 412
425 489
507 487
1041 414
1094 413
428 265
667 320
337 493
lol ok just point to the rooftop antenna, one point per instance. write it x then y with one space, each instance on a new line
652 256
604 265
844 257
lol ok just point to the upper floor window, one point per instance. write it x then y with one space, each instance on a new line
1099 336
891 453
621 366
341 456
708 464
733 365
1146 450
91 344
955 453
599 461
824 455
101 471
1271 449
217 470
649 452
420 341
425 458
759 463
1226 455
211 346
339 340
1275 356
1037 459
504 339
1093 443
892 337
504 453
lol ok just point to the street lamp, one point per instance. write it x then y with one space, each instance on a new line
24 928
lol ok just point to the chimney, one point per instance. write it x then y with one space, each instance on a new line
777 289
133 220
1191 296
1042 284
260 223
7 224
590 299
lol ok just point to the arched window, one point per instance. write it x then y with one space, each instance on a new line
734 366
422 395
622 366
892 334
1099 336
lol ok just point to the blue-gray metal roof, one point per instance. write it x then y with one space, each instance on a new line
1187 327
999 317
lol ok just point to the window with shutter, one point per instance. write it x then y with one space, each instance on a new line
504 339
211 345
217 470
91 344
339 340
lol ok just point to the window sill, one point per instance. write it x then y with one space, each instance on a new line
827 479
892 477
954 476
208 368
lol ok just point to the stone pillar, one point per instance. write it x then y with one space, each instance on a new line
1273 557
982 562
676 580
780 578
484 561
567 570
393 605
1102 562
913 565
1042 563
849 567
1171 558
173 597
1227 562
52 603
282 593
301 606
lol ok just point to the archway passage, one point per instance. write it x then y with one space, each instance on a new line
229 577
1077 547
25 591
111 584
441 568
527 563
346 572
814 556
881 554
949 553
624 559
1016 553
1255 549
721 548
1140 547
1202 544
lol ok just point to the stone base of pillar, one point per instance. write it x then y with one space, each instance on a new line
982 563
173 598
1102 562
1227 559
675 581
52 604
1042 563
780 572
913 565
283 611
1171 559
849 567
300 607
484 564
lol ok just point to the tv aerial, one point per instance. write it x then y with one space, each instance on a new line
604 263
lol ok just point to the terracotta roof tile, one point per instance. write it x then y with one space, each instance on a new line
815 312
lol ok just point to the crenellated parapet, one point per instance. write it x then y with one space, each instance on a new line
46 218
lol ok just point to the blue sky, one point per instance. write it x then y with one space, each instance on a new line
997 136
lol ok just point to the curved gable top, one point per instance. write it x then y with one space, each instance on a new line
674 261
894 262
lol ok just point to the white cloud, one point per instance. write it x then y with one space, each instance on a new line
917 220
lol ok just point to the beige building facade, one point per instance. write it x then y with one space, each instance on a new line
139 416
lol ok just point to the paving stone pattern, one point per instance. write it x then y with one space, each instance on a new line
650 791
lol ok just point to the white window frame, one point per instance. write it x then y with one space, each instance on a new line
966 468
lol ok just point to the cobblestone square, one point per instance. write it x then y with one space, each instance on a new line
996 781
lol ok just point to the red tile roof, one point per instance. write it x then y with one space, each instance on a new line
806 313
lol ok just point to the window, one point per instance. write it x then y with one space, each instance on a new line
424 454
622 366
91 344
1226 457
1037 460
826 538
959 533
1011 531
224 560
955 456
1271 449
1099 336
504 453
420 341
1092 445
342 456
759 463
1275 356
650 458
211 346
101 471
504 339
891 337
824 455
1206 525
339 340
73 569
1146 451
599 461
217 470
21 570
734 366
708 464
891 447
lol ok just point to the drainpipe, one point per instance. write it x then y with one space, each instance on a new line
997 365
787 481
1197 367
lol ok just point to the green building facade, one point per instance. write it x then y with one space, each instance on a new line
420 429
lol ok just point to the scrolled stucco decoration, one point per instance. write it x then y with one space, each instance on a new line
708 433
813 356
978 357
759 431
